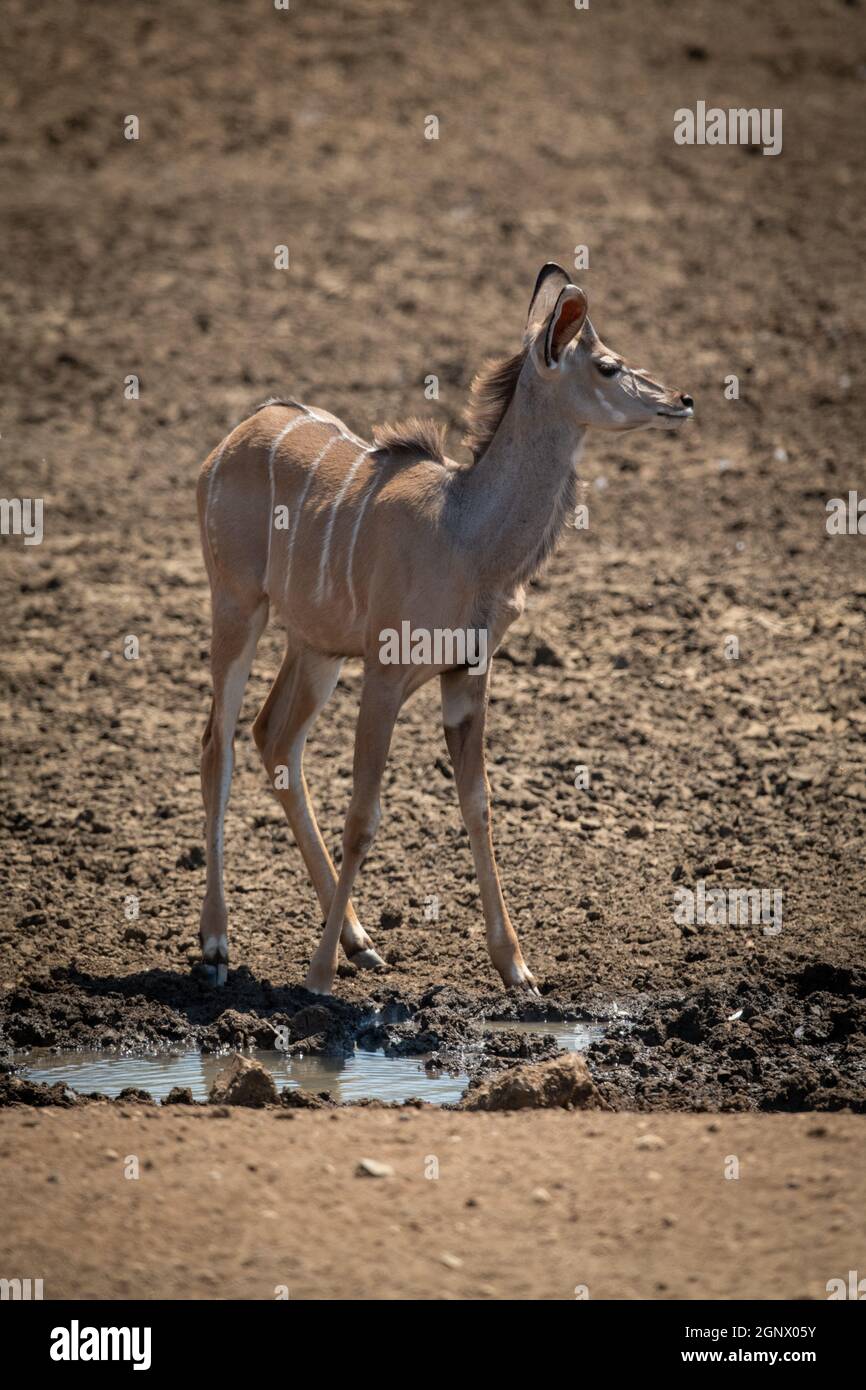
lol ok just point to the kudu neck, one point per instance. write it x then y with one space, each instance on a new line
515 498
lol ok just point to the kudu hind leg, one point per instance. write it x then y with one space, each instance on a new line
298 695
381 699
233 645
464 709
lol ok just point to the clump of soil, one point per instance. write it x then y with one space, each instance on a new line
244 1081
563 1083
18 1090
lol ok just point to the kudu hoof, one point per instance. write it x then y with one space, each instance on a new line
212 973
367 959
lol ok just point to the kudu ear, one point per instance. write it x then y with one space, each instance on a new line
551 280
566 322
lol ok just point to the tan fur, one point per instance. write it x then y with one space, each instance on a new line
345 541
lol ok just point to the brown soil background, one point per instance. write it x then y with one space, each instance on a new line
410 257
524 1206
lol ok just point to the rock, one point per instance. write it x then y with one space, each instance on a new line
541 1196
649 1141
372 1168
451 1261
244 1082
563 1082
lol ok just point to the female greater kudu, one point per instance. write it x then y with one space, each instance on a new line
348 541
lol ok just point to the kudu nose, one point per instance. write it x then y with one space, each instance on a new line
687 401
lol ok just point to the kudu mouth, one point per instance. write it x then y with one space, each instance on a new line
684 411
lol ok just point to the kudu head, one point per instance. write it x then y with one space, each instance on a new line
585 381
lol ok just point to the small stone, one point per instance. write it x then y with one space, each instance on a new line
111 1154
649 1141
451 1261
372 1168
541 1196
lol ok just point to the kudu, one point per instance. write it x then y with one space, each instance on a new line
347 540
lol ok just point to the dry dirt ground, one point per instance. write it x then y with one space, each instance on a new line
408 257
477 1206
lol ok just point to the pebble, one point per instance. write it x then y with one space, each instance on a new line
372 1168
649 1141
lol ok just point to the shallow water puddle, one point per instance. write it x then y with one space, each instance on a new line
572 1037
363 1076
366 1075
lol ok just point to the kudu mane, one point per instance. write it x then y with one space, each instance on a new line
490 395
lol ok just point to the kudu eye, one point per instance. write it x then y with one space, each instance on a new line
608 368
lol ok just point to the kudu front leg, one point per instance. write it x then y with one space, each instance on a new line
464 710
381 698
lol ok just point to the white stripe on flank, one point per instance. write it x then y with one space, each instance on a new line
287 429
351 555
335 438
329 530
